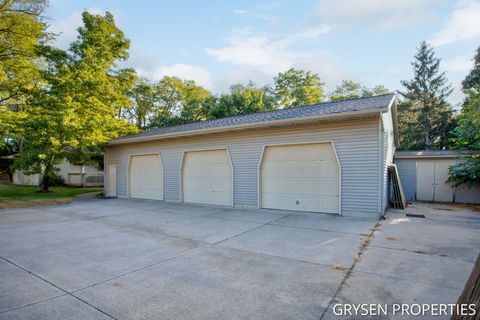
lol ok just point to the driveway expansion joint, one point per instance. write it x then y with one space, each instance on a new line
254 228
33 303
365 243
59 288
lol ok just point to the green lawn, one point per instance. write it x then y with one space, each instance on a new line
20 196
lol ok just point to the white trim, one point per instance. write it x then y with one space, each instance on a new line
180 178
259 179
381 164
259 192
130 165
345 115
428 157
180 183
108 179
233 176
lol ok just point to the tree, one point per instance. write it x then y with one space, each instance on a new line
77 110
8 149
143 106
195 101
352 90
21 32
424 113
295 88
178 101
472 80
466 135
240 100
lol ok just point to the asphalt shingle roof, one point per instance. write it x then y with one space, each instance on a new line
328 108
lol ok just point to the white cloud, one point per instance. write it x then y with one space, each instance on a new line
258 51
464 23
183 71
375 14
256 13
458 64
239 11
242 75
265 51
261 56
330 74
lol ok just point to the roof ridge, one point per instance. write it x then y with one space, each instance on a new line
265 112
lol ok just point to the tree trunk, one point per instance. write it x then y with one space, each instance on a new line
426 141
45 183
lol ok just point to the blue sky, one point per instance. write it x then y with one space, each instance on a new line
220 43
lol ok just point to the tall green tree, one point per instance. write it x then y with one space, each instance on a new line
294 88
143 97
472 80
178 101
424 113
352 90
22 30
195 101
77 110
240 100
466 135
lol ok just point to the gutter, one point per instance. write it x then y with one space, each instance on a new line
247 126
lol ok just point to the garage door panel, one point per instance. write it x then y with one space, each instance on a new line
205 168
207 177
299 153
301 169
146 177
200 183
300 177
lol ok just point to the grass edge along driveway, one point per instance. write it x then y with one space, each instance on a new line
13 196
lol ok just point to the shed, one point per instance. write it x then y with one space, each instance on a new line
424 174
329 157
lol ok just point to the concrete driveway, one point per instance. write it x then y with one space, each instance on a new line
132 259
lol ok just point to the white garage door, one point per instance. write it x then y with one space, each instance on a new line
300 177
146 177
431 180
207 177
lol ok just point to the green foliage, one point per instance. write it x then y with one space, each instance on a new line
177 101
8 148
143 97
424 114
352 90
294 88
21 31
466 172
466 135
472 80
240 100
172 101
77 110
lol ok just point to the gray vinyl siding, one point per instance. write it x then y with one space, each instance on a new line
407 173
388 149
463 194
356 143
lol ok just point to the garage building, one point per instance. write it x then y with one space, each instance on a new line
330 157
424 175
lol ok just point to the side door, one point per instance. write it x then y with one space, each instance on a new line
426 180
